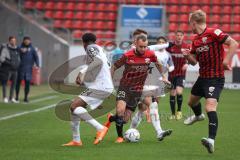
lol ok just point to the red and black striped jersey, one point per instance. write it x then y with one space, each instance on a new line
209 52
136 69
178 59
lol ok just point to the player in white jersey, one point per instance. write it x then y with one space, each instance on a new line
96 76
150 101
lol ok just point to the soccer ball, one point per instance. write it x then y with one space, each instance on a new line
132 135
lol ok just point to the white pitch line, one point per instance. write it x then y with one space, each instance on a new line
42 99
27 112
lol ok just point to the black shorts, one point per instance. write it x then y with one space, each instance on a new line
208 87
177 81
130 97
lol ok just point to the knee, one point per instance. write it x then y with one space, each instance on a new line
211 105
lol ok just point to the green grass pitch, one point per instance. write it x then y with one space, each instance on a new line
39 135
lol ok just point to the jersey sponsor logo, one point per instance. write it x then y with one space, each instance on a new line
202 49
211 90
204 39
217 32
179 55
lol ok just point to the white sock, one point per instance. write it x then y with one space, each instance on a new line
136 120
84 115
75 124
155 117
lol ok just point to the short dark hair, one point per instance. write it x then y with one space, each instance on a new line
179 31
89 37
139 31
11 37
141 37
161 37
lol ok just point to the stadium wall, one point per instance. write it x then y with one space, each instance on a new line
54 50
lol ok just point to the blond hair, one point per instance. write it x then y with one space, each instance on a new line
198 16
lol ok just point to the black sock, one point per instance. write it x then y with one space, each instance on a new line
213 124
179 102
197 109
112 118
26 89
172 104
119 126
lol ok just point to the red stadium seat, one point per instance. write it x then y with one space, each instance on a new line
227 10
226 19
153 2
185 9
69 15
226 28
194 8
109 34
184 18
77 34
184 27
215 18
88 25
68 24
99 25
48 14
78 25
100 16
173 9
79 15
70 6
49 6
236 19
28 5
206 9
80 6
236 2
217 2
216 9
236 28
39 5
89 15
174 2
58 15
101 7
111 25
57 24
112 16
59 6
236 10
112 7
228 2
173 18
173 27
214 25
91 7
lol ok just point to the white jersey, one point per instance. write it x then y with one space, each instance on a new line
165 59
99 68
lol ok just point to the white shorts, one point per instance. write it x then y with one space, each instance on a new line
152 90
94 98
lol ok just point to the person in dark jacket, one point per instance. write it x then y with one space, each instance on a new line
28 57
9 63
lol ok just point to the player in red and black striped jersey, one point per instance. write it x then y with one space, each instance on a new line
177 76
136 62
207 50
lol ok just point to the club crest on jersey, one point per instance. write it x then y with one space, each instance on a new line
131 61
147 60
211 90
204 39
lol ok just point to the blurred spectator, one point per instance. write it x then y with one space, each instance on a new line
28 57
9 63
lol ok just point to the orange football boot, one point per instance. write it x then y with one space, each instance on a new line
119 140
73 143
100 135
108 123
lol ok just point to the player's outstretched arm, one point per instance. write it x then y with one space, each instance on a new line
160 69
233 45
158 46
